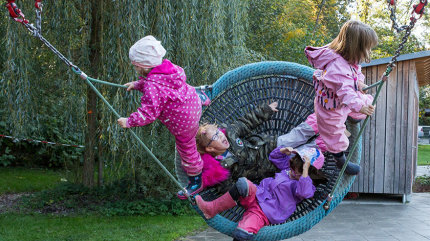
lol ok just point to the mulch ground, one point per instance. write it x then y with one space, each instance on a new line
418 187
9 201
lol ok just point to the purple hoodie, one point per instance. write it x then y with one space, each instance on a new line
167 97
279 196
335 80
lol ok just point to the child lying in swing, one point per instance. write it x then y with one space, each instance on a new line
232 151
275 198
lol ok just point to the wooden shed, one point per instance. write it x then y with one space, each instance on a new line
389 150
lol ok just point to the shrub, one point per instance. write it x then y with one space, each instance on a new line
421 184
116 199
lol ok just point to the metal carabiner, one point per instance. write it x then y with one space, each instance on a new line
419 8
15 12
38 4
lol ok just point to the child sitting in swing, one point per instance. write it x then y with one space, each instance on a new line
167 97
275 198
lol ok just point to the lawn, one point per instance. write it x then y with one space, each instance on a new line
17 226
423 155
17 179
47 227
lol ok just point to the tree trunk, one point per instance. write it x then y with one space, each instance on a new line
100 161
92 123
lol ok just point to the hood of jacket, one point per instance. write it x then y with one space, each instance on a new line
167 74
319 57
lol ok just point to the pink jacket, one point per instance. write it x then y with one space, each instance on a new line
167 97
335 80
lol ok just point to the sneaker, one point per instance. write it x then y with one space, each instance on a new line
194 186
351 168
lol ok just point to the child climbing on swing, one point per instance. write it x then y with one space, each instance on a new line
338 83
275 198
167 97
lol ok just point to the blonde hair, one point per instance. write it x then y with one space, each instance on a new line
355 42
201 137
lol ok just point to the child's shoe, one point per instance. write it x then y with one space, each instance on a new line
240 234
194 186
203 97
351 168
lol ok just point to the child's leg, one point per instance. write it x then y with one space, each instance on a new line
299 134
253 218
243 191
351 168
191 163
227 200
331 125
212 208
190 157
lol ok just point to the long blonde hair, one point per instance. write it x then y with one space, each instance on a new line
355 42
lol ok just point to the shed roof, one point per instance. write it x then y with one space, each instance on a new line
422 64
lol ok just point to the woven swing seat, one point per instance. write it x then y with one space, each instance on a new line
290 84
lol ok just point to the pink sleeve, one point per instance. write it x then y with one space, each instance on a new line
139 85
348 96
336 79
361 76
367 99
149 111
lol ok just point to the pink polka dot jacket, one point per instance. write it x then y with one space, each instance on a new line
167 97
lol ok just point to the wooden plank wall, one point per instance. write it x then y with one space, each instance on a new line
389 147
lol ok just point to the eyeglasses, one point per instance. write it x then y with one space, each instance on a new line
214 137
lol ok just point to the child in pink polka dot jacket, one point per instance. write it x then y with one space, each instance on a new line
167 97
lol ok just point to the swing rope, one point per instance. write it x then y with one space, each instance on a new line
18 16
418 9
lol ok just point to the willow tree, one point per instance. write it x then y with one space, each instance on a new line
206 38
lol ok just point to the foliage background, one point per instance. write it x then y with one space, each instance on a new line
42 99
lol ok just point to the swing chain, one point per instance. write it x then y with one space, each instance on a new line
408 28
417 9
56 52
393 60
38 4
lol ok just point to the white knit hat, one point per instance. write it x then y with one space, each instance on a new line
147 52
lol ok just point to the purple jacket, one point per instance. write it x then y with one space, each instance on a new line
335 80
167 97
279 196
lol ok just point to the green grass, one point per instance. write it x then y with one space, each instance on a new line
423 155
16 179
43 227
